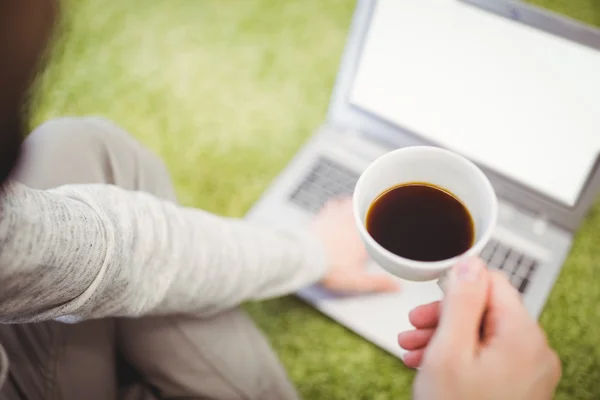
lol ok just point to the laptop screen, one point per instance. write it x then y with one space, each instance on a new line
520 101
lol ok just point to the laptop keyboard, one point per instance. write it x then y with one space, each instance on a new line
328 179
515 264
325 180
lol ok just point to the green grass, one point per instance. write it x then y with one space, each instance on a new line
226 91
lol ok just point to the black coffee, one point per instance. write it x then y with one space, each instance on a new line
421 222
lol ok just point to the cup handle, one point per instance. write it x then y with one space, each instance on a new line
442 280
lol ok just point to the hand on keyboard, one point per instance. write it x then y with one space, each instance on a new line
508 359
346 254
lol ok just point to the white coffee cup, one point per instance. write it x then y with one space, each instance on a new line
441 168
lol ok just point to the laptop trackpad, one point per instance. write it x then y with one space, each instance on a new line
377 317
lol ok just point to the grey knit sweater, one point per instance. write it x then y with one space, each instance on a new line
92 251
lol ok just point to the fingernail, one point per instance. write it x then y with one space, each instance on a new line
468 270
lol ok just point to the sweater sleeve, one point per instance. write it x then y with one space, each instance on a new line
91 251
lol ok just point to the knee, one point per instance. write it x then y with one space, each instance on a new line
89 136
61 136
92 150
63 151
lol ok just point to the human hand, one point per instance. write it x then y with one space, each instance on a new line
509 359
334 225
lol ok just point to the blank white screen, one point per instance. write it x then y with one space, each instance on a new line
520 101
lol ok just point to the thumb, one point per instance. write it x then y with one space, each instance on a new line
505 309
465 301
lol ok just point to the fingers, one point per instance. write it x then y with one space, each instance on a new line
344 203
416 339
360 282
369 283
413 359
425 316
465 301
425 319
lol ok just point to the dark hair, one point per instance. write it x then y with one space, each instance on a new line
25 28
10 141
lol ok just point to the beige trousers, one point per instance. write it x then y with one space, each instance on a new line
176 357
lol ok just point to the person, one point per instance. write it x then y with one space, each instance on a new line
110 289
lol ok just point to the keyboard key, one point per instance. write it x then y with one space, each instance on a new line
502 249
523 269
534 265
487 252
532 269
516 280
526 260
511 263
498 259
523 286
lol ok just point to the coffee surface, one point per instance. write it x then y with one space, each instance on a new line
421 222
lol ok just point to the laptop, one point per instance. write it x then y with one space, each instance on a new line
519 101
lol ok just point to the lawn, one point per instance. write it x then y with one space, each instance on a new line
226 91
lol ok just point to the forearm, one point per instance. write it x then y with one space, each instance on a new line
100 251
202 263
